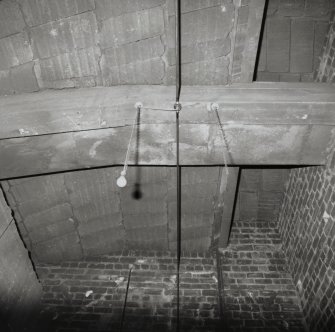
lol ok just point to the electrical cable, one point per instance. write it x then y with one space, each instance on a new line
224 138
177 107
178 219
125 298
177 48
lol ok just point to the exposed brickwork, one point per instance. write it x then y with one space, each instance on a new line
307 227
20 292
326 71
293 38
89 295
258 292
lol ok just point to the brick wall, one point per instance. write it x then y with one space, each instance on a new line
326 71
257 289
307 227
293 39
20 292
89 295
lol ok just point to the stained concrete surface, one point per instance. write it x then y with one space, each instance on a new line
90 43
79 214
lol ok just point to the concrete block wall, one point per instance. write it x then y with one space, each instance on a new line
20 291
84 43
260 194
89 295
257 288
78 214
307 229
326 70
293 40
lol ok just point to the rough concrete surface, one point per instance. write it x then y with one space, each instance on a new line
80 214
88 43
292 40
20 291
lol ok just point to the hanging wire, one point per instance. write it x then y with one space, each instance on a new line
224 140
215 108
5 230
128 148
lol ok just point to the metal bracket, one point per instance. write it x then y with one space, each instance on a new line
177 106
212 107
138 105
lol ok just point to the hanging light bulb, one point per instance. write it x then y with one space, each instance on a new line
122 181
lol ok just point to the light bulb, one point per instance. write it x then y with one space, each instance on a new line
121 181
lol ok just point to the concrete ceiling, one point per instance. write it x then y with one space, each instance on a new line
77 214
85 43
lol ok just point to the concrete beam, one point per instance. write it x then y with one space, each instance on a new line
261 123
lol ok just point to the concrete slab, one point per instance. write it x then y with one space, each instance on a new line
44 217
132 27
113 8
302 47
23 78
11 19
64 36
291 8
278 45
37 13
15 50
58 249
317 8
69 66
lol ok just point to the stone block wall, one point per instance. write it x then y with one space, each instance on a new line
20 291
257 288
89 295
326 71
307 229
85 43
78 214
293 40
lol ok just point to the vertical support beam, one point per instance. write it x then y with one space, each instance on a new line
224 206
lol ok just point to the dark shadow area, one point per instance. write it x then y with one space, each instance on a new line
261 35
137 193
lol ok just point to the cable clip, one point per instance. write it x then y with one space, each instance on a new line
138 105
212 107
177 106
